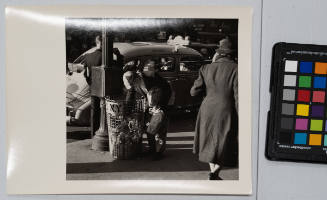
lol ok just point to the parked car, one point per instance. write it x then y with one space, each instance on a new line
207 50
179 65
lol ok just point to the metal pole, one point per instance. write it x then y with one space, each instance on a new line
101 140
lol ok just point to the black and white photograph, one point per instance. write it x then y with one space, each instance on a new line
117 99
152 99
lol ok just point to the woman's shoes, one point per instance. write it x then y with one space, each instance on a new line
214 176
211 176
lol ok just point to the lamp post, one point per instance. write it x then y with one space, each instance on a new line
106 80
100 140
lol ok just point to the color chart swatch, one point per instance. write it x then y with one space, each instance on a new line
303 111
297 119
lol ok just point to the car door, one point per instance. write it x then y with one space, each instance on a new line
188 70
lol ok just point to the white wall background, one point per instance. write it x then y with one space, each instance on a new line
299 21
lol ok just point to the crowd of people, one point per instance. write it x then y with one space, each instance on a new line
217 83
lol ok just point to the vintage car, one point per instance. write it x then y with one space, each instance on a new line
178 64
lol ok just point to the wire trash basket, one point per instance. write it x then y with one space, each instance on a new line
125 122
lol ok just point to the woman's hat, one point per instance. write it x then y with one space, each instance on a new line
225 46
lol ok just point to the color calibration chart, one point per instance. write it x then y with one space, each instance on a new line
297 119
304 116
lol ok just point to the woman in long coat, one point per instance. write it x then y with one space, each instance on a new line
217 120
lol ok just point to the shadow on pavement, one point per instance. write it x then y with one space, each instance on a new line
182 123
78 135
178 156
174 160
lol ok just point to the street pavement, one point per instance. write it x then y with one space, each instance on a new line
178 163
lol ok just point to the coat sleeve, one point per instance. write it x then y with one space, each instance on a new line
235 89
130 96
156 123
199 84
80 59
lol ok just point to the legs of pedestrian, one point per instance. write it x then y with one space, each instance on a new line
95 115
151 143
156 147
214 171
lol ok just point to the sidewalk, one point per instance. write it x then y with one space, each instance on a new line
179 163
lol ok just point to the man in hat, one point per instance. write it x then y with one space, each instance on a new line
217 129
